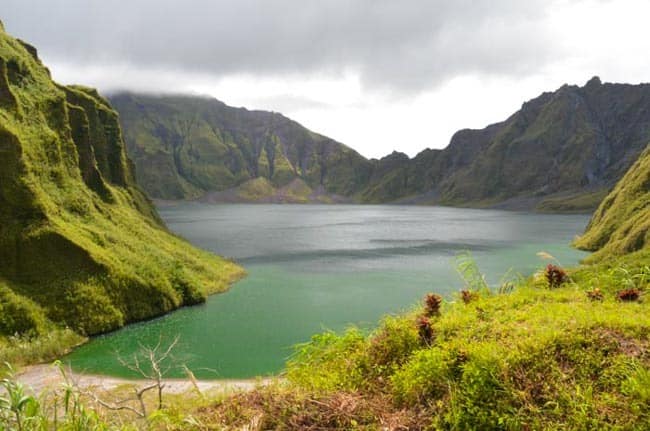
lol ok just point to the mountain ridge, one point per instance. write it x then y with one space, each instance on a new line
562 151
200 144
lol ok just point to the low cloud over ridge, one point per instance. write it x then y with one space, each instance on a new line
393 45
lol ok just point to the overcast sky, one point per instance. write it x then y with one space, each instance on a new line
377 75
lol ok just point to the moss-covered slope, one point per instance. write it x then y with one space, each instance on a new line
621 224
185 146
80 244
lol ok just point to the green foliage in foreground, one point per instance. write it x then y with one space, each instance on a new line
535 358
80 245
20 410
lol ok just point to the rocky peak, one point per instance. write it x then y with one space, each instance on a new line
593 82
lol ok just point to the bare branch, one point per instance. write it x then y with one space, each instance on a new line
114 407
155 368
141 391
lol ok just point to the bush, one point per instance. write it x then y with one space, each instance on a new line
555 276
329 362
425 331
432 303
390 346
427 376
629 295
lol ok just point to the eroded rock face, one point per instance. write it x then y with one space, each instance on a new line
80 243
185 146
576 140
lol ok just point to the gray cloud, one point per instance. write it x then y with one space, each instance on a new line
403 46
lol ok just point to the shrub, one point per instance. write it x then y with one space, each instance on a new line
469 271
468 296
432 304
629 295
555 276
329 362
425 330
392 344
29 349
595 295
426 376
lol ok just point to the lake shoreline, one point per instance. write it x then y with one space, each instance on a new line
44 377
323 268
528 205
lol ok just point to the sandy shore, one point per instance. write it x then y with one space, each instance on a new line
43 377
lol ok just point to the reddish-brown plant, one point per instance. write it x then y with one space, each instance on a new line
595 295
468 296
432 304
425 330
555 275
629 295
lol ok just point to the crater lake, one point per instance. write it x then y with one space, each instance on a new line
314 268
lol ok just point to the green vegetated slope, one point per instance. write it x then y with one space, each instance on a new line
186 146
80 244
621 223
565 350
562 151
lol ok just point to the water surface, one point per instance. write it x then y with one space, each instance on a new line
324 267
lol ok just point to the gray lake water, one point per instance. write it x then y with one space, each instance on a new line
323 267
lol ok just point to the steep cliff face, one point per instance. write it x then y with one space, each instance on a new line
185 146
576 140
421 179
621 224
80 244
562 151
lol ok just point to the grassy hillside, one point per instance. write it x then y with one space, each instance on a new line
80 244
185 146
621 224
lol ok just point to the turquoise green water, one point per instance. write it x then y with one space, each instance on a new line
313 268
